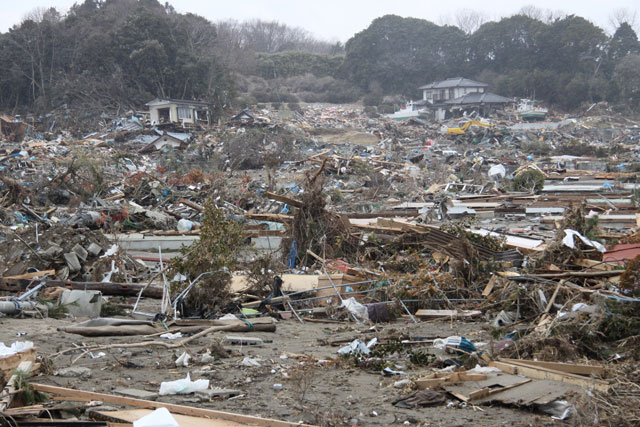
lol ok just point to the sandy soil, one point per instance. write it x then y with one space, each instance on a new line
328 392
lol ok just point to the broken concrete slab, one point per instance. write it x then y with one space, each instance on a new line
136 393
82 303
74 372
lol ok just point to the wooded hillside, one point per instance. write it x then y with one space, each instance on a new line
114 54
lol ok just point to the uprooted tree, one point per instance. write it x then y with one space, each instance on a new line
317 230
216 253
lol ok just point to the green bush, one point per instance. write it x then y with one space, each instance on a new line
218 250
529 180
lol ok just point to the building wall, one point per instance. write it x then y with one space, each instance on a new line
173 113
446 94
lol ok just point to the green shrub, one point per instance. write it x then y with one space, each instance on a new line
529 180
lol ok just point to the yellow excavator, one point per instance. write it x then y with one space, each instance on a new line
462 129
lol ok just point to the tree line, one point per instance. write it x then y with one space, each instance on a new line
566 62
116 54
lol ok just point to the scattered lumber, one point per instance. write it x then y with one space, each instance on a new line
86 396
107 288
516 367
191 204
449 378
11 388
438 314
284 199
486 391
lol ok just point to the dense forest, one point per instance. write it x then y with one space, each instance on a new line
115 54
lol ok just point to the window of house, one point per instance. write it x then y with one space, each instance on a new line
451 93
184 112
442 93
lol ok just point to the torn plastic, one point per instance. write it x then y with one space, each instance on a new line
453 343
183 386
569 240
16 347
355 308
161 417
183 360
558 409
357 346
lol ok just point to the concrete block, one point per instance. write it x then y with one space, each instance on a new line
75 372
82 303
72 261
52 252
94 249
80 252
137 394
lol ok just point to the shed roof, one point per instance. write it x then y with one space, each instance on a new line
454 82
160 101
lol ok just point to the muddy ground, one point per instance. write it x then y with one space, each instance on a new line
327 393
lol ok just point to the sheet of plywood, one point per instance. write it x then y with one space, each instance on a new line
131 415
291 282
513 390
63 393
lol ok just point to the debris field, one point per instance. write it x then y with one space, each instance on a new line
323 266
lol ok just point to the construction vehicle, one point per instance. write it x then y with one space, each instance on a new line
461 130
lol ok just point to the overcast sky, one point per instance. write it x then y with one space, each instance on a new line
340 19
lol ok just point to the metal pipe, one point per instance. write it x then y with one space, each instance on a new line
16 307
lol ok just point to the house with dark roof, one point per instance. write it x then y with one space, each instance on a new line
456 96
171 110
452 88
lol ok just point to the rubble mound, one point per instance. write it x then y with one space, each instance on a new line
74 253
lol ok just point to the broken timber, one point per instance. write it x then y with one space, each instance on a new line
107 288
87 396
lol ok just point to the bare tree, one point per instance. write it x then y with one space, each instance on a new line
544 15
624 15
469 20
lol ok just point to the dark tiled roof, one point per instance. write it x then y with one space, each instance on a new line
454 82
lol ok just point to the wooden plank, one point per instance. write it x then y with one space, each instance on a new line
284 199
191 204
548 374
270 217
10 388
29 276
442 379
131 415
434 314
84 396
10 363
553 297
570 368
596 265
486 391
107 288
490 285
